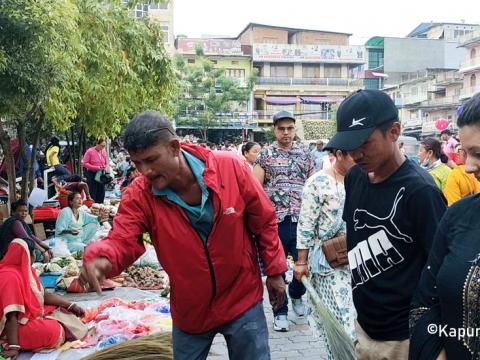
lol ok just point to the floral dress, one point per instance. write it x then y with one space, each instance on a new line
320 220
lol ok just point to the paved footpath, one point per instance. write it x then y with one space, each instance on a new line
298 343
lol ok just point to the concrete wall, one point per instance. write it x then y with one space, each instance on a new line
403 55
264 35
454 56
320 38
409 55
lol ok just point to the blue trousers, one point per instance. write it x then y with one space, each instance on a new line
287 231
246 337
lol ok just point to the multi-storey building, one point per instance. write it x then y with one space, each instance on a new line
392 60
301 70
162 14
439 30
470 68
425 97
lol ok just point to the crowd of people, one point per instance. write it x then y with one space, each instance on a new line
387 242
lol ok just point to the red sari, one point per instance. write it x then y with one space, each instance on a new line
22 292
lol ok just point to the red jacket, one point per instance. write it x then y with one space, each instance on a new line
211 285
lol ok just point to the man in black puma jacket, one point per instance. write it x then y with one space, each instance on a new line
392 210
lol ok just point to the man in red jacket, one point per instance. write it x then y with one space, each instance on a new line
201 209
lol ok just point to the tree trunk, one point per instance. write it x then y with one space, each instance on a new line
9 161
21 134
81 145
35 142
71 151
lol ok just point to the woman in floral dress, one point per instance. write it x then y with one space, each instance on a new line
321 220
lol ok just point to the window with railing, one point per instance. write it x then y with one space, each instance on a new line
235 73
473 81
333 70
310 71
281 70
473 54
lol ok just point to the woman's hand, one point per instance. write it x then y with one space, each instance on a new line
46 257
77 310
300 270
12 354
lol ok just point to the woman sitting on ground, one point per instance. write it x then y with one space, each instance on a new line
73 183
74 225
27 313
433 160
16 227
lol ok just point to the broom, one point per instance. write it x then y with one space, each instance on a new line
156 346
340 343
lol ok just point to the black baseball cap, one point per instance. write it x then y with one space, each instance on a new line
358 116
282 115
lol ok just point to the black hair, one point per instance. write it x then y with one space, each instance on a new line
386 126
74 178
147 129
248 146
71 196
15 205
436 147
334 152
470 114
53 142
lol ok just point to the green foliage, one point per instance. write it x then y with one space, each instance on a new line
208 96
126 69
85 62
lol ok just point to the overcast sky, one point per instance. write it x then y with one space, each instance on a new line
363 19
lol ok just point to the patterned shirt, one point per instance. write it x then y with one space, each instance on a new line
285 175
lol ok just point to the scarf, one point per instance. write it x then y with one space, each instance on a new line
20 288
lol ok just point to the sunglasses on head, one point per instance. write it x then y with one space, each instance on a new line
160 129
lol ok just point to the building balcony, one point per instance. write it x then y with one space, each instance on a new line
445 101
414 99
470 65
309 81
469 92
447 78
264 116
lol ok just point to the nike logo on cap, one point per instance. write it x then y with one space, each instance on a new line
357 122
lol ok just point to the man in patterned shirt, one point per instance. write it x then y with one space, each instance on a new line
282 168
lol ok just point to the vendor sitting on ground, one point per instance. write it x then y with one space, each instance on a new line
16 227
73 183
75 226
25 306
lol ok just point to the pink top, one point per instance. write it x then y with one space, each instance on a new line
94 160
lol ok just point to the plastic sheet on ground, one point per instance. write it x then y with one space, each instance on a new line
127 295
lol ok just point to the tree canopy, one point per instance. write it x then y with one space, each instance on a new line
208 97
83 64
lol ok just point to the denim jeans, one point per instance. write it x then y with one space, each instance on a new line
246 337
287 231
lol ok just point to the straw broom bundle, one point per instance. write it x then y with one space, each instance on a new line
156 346
340 343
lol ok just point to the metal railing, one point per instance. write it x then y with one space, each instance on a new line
309 81
316 115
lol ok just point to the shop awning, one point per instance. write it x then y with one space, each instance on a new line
281 100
